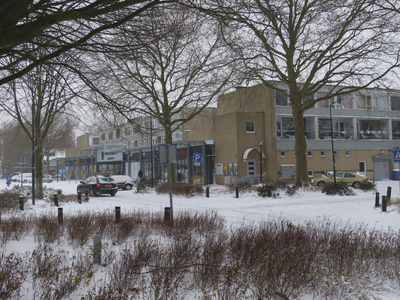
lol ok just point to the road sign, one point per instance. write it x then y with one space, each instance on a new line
167 154
197 158
396 155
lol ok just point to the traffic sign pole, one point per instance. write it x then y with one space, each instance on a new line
396 158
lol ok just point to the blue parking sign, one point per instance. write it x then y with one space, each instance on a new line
197 158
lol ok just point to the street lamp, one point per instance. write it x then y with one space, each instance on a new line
151 150
261 150
333 151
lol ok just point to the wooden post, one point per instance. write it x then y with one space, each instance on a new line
21 202
97 249
60 215
117 214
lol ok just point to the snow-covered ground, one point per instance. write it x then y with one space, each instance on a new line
305 206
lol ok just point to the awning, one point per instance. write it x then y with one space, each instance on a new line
248 150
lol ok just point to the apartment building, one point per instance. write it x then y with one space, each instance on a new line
365 130
126 149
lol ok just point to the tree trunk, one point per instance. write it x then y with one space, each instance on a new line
168 140
300 148
38 170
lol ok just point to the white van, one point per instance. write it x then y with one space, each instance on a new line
125 182
26 177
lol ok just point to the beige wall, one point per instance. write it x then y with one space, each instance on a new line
200 127
70 152
231 140
318 163
82 141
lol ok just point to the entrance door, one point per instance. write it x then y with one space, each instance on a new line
362 167
381 169
251 167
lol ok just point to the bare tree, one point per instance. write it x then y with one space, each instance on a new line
308 44
61 24
36 102
165 61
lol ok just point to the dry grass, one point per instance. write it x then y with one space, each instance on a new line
196 255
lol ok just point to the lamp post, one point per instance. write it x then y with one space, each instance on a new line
333 151
261 150
57 168
151 150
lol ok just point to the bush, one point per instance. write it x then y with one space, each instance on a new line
367 186
268 190
341 189
272 189
144 186
243 186
291 190
9 201
180 189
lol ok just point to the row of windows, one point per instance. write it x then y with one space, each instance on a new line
146 142
310 153
341 101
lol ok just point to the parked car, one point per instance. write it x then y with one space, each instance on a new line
47 178
351 178
26 177
98 185
15 177
125 182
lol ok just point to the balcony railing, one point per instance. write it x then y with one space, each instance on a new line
339 135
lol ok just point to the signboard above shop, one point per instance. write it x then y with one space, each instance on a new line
109 155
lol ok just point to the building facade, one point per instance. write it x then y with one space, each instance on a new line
365 130
124 150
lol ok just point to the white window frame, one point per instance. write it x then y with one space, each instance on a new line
323 153
310 153
348 153
283 153
310 173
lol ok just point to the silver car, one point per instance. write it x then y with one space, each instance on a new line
47 178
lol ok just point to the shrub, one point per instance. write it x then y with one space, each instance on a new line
12 275
341 189
291 190
243 186
47 229
144 186
268 190
367 185
9 201
180 189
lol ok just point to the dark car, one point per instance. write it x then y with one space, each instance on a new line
98 185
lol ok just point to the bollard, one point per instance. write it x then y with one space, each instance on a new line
97 249
208 192
237 192
86 196
388 193
383 203
80 198
167 214
117 214
377 199
21 202
55 200
60 215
